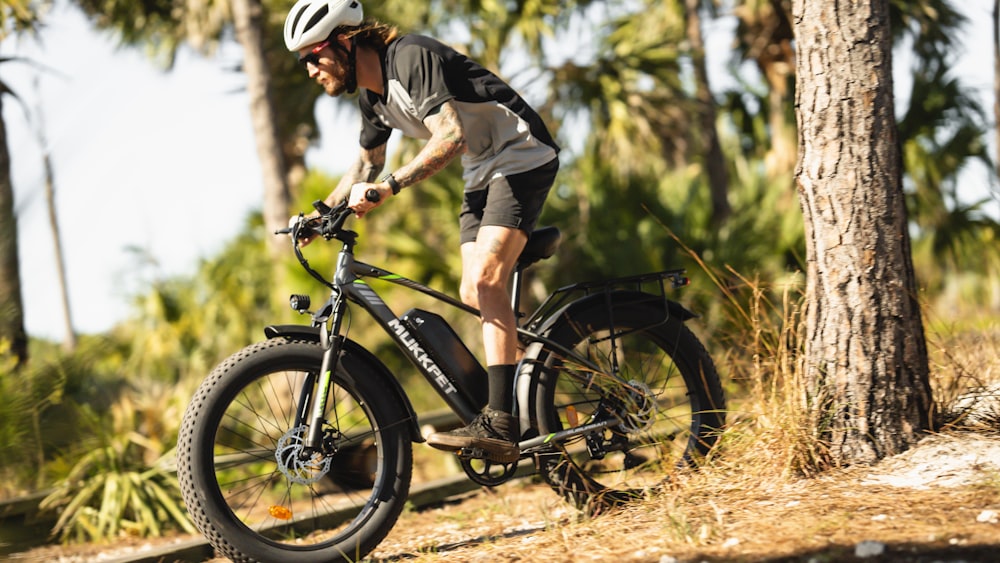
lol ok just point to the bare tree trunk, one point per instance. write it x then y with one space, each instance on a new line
247 16
865 355
11 304
996 79
69 344
715 163
768 35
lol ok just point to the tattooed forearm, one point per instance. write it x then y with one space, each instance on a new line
365 169
447 141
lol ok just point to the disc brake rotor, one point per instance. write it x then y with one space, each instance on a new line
296 463
640 408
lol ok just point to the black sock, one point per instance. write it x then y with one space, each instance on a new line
501 386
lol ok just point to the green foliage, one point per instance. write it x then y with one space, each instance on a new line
98 421
40 417
18 449
124 486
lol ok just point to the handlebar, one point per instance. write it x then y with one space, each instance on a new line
328 224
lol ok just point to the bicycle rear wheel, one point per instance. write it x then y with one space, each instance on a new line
665 406
252 488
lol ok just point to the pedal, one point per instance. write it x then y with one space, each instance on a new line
467 454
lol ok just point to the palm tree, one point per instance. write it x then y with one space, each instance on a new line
69 344
248 18
632 93
161 25
764 36
940 132
715 164
996 80
11 305
16 17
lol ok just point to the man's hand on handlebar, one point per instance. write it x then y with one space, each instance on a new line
326 221
305 232
366 196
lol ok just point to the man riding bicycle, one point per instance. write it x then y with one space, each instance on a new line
430 91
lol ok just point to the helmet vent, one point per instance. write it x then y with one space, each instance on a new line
317 17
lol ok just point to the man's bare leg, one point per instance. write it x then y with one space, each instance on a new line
487 265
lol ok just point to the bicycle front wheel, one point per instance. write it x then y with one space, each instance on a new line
642 373
253 488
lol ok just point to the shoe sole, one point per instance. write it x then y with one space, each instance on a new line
495 450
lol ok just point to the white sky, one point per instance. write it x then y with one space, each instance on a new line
166 161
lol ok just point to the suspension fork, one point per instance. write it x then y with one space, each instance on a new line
332 344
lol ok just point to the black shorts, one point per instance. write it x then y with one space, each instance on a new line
513 201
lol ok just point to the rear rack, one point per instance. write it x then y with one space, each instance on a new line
648 287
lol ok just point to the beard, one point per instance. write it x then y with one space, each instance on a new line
336 81
334 87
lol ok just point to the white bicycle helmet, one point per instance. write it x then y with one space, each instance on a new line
311 21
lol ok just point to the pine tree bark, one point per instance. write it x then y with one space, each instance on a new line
865 359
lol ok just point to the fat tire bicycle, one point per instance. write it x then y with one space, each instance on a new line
298 448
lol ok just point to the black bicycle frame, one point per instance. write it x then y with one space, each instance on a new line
349 286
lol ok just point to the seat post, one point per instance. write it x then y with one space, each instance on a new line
515 293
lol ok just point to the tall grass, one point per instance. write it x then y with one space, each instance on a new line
757 341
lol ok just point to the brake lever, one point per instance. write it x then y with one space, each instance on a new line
332 217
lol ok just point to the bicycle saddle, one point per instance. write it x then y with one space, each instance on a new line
542 244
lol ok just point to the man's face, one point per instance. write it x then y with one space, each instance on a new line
326 66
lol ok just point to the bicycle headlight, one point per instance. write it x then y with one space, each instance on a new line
299 303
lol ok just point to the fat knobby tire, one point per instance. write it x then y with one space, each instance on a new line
207 502
576 478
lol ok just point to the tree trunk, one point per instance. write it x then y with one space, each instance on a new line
247 16
69 344
768 36
996 79
865 358
11 305
718 177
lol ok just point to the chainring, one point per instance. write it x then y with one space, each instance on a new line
487 473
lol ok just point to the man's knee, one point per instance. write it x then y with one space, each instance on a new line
469 293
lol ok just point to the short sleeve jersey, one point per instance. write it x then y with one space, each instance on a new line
503 133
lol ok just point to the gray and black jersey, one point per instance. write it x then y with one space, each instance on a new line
503 133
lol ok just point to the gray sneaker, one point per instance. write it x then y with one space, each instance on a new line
494 432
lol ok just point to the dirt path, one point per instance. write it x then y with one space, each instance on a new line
937 502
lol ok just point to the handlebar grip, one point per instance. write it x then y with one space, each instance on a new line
373 196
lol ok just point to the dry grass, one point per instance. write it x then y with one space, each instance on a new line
726 515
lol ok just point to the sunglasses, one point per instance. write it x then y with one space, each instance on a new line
313 55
